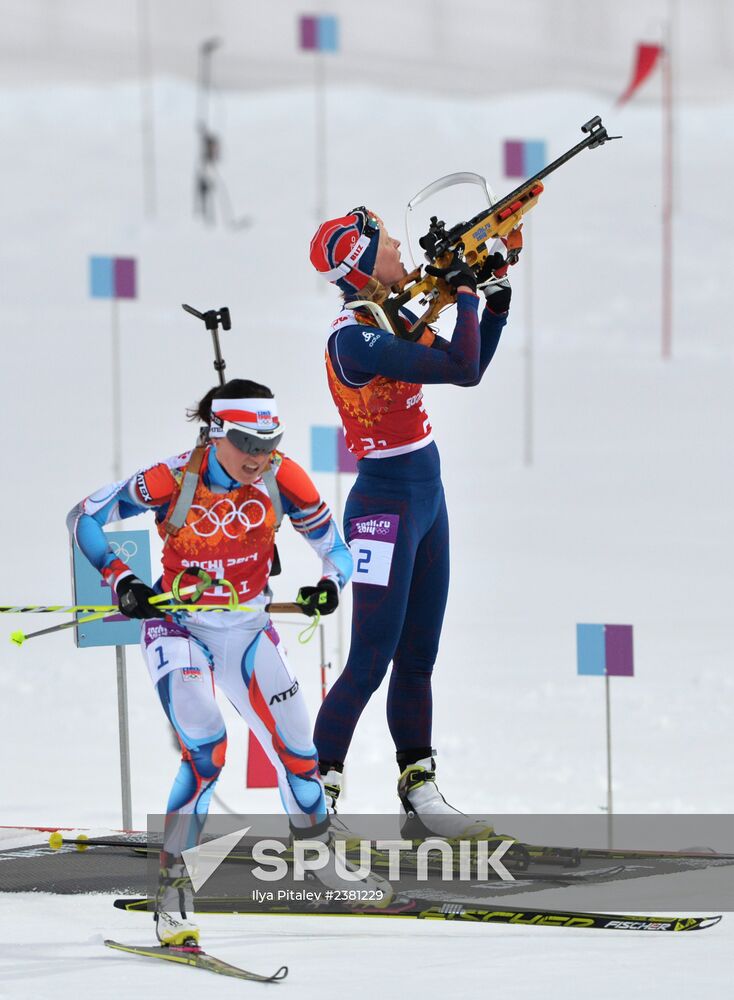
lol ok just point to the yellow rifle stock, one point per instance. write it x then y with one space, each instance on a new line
472 240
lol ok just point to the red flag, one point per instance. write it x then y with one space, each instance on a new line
647 58
260 772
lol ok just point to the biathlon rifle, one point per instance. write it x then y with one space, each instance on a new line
473 240
212 319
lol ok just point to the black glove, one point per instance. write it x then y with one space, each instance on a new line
498 295
495 266
492 280
134 597
324 598
456 274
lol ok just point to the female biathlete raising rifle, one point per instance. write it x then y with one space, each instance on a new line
395 517
216 507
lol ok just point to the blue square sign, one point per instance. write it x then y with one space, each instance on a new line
133 547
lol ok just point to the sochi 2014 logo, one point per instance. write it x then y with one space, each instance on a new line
373 527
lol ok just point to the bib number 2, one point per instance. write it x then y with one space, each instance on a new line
372 542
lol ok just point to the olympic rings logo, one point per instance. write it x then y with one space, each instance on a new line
223 514
124 550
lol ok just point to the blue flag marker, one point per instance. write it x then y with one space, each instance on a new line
102 277
328 33
113 277
524 157
329 452
604 650
319 33
591 654
323 449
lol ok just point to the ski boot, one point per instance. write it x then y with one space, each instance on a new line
369 883
332 776
428 814
173 900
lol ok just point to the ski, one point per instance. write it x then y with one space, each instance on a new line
632 854
524 861
571 877
520 853
379 862
198 959
517 859
423 909
573 856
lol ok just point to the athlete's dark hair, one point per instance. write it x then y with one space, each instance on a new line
236 388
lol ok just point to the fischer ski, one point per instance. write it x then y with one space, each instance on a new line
198 959
423 909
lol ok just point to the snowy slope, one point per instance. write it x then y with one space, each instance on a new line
624 515
56 942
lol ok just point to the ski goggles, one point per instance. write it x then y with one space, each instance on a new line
370 222
251 425
250 443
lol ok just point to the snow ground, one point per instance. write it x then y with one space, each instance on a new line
52 946
624 516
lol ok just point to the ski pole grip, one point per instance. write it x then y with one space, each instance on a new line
284 608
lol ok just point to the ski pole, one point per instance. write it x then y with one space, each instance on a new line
176 592
101 610
286 607
104 611
81 842
275 608
19 637
38 609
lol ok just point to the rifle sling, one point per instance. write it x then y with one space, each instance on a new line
268 477
185 498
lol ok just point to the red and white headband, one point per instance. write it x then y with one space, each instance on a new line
257 416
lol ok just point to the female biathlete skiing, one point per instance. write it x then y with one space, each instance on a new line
216 507
395 517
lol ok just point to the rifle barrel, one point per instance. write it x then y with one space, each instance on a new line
594 138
